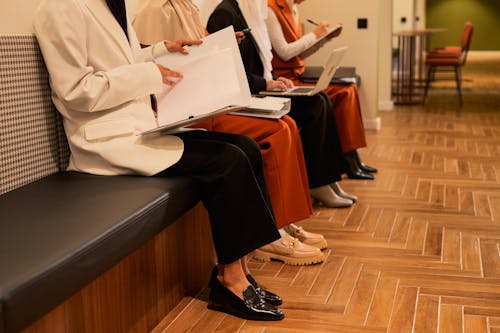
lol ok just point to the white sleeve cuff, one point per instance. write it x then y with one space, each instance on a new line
159 49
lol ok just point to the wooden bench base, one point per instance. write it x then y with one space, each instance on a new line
135 295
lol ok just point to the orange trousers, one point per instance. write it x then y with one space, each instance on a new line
284 164
347 111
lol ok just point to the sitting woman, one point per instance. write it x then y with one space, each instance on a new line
289 47
102 81
313 115
279 140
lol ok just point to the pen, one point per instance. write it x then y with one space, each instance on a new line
312 22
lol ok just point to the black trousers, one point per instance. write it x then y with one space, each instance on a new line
320 139
230 170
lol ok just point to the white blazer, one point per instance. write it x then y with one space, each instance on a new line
101 85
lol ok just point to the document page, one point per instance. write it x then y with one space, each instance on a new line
213 78
268 103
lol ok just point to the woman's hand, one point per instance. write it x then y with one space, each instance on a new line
240 35
280 84
180 45
321 29
275 85
168 76
288 83
336 32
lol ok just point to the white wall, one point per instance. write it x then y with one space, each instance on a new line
420 13
385 102
363 44
11 22
403 9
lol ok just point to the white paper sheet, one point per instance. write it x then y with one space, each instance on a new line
268 103
214 77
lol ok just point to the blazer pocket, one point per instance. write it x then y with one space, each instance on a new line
105 129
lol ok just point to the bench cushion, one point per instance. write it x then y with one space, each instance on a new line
59 233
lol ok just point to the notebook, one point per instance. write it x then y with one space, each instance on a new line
266 107
324 80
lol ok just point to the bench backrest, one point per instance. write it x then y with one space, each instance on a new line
32 140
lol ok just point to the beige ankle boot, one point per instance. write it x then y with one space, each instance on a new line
329 198
340 192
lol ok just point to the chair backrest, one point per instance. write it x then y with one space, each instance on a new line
466 39
32 140
466 36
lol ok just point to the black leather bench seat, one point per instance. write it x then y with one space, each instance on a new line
61 232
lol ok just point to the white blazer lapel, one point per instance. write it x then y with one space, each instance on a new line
109 24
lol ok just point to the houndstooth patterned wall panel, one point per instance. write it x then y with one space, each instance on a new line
32 141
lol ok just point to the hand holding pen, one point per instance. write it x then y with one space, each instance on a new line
321 28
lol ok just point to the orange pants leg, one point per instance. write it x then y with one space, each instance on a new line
283 158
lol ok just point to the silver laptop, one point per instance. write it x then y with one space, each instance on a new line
324 80
180 126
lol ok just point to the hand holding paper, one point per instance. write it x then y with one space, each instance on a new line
181 45
211 77
168 76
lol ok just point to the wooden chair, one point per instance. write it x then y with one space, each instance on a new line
449 58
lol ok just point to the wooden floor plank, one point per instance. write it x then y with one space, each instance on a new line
427 314
475 324
361 299
403 310
450 318
381 307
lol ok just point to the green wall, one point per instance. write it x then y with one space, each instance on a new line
452 14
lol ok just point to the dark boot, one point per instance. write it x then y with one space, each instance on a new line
363 166
353 169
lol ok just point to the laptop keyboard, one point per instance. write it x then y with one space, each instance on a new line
301 90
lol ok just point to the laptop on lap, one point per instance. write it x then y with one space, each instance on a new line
324 80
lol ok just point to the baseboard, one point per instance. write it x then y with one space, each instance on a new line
484 53
386 105
372 124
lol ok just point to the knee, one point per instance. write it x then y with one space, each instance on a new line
248 148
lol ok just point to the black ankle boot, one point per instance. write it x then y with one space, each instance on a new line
353 169
363 166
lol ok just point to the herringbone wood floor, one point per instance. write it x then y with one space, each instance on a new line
420 251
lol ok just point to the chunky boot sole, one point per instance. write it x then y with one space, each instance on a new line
267 256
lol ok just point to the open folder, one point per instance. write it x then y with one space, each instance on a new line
214 83
266 107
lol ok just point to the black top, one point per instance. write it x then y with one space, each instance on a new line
117 7
228 13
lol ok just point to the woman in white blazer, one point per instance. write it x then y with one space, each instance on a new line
101 84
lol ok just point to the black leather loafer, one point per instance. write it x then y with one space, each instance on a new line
358 174
252 307
367 168
266 295
213 277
